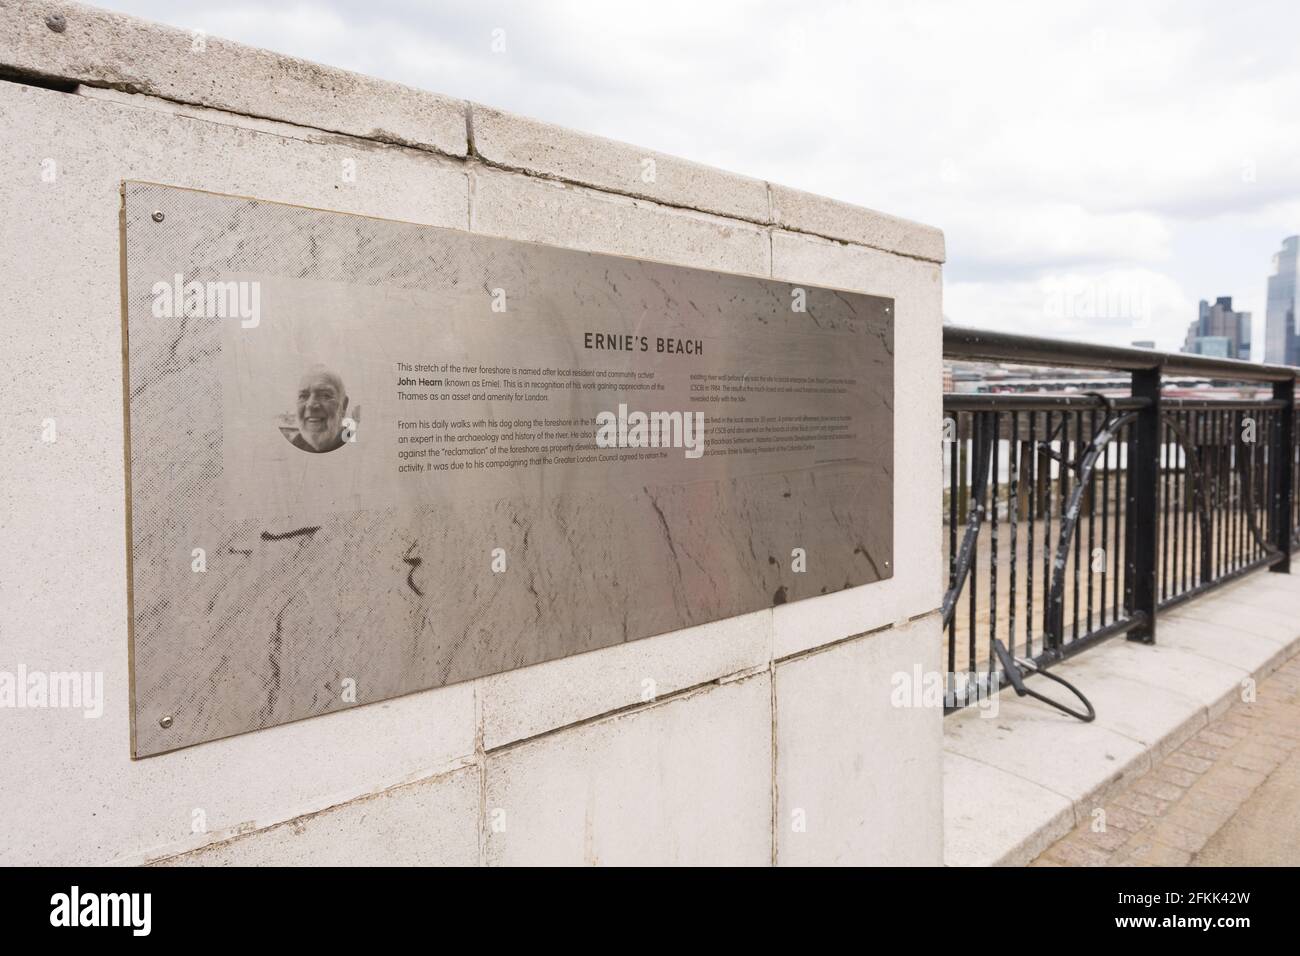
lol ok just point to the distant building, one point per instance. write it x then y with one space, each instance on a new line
1219 331
1144 344
1280 341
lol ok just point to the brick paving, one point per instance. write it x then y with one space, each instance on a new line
1167 816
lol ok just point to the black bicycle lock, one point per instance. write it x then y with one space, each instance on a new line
1015 669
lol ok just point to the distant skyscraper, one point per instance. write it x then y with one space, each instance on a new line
1219 331
1280 345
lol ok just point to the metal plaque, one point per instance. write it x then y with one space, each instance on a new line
367 458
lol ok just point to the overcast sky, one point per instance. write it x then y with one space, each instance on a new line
1126 158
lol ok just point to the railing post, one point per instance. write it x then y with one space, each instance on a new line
1203 450
1282 479
1141 587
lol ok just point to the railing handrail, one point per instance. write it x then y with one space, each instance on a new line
1033 401
980 345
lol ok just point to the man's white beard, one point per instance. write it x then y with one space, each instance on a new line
320 439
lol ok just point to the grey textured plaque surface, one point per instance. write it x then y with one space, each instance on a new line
367 458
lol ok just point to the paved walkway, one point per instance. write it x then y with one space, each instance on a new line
1229 796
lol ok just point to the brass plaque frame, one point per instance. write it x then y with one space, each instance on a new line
306 533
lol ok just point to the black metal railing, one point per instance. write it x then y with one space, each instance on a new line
1072 518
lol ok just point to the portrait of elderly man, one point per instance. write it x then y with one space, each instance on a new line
322 402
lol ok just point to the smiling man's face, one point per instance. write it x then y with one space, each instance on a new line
321 405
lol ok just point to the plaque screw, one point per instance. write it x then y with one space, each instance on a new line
158 216
56 22
165 721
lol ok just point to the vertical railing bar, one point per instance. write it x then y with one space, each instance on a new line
977 437
1207 526
1076 457
1259 456
1063 490
1252 460
1184 489
1229 528
1194 523
1219 505
1029 546
993 531
1048 463
1176 453
1164 514
1105 541
1092 515
1245 465
1283 496
1013 500
1213 494
1144 542
1121 521
1257 452
1252 456
1293 464
1262 461
1227 492
954 454
1235 502
1225 495
1261 481
1211 478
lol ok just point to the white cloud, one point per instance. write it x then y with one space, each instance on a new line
1112 306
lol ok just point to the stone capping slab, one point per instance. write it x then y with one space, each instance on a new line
99 48
808 212
520 143
46 41
969 735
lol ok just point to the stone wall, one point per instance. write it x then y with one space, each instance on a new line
771 737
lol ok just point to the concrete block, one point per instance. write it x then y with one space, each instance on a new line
433 822
532 700
807 212
858 777
1284 589
516 206
530 145
1163 666
1234 616
100 48
1080 761
1237 650
995 818
1158 700
683 782
1277 581
919 569
1280 606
